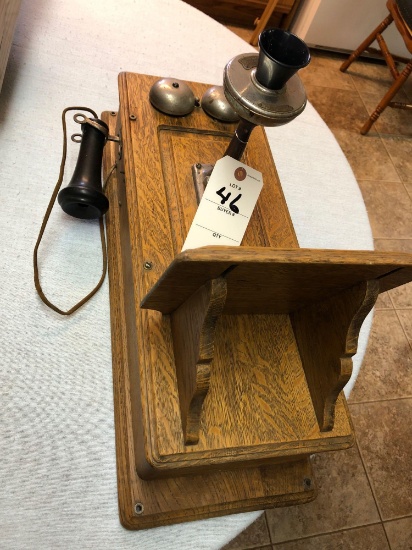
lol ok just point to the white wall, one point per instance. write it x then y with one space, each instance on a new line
345 24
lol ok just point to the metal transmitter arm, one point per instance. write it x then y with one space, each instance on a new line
264 89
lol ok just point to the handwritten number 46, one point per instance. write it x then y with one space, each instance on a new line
226 197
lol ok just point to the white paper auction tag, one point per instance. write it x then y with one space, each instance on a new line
226 206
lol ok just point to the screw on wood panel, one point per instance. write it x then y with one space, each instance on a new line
307 482
138 508
132 117
113 113
147 266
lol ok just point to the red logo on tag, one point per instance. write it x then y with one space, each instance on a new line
240 173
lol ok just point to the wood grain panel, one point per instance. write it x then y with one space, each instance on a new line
157 224
9 10
179 151
144 504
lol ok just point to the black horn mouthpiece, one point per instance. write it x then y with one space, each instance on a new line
281 55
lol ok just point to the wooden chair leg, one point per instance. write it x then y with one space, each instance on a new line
387 55
262 22
387 98
367 42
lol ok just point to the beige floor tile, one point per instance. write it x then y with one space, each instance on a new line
393 245
405 317
370 77
400 152
375 78
344 500
384 437
386 371
407 88
400 533
389 209
383 301
338 108
323 70
366 154
255 536
391 121
362 538
401 296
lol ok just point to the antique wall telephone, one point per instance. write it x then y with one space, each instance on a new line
258 90
228 361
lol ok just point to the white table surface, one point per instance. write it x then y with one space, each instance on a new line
57 462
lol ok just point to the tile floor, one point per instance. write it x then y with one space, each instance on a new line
365 493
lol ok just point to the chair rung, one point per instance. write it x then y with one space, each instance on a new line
399 105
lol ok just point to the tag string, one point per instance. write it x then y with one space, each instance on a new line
46 219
